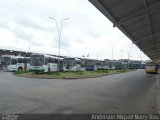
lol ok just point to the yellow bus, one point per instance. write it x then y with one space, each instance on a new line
151 67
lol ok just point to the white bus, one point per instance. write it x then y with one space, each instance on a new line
102 65
90 64
40 63
112 65
72 64
13 63
26 61
151 67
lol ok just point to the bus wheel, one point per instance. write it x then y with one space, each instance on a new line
20 68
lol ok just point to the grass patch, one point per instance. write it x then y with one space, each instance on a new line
79 72
53 73
121 71
21 71
101 71
69 75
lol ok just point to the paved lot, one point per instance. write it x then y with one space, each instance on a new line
133 92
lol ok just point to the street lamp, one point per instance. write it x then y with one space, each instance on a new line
59 29
113 44
122 53
128 53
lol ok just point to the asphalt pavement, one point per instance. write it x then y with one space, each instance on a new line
132 92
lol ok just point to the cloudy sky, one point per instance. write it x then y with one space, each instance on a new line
25 25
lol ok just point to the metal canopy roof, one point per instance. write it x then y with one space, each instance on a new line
14 52
137 19
23 53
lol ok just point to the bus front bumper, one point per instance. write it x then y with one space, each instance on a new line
151 71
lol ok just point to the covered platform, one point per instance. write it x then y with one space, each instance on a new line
139 20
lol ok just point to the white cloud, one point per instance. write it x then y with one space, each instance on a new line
27 23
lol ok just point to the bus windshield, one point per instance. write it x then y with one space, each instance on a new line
70 61
7 60
150 64
37 60
101 63
89 63
104 63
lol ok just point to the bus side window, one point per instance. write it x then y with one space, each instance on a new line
78 62
49 60
20 60
28 60
61 61
52 60
24 60
64 62
46 61
13 61
55 60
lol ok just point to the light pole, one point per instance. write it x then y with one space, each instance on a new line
121 54
128 54
113 44
59 29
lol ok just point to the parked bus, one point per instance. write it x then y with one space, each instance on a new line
13 63
72 64
102 65
112 65
151 67
26 61
40 63
90 64
62 65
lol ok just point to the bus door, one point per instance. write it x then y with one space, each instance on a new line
13 65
